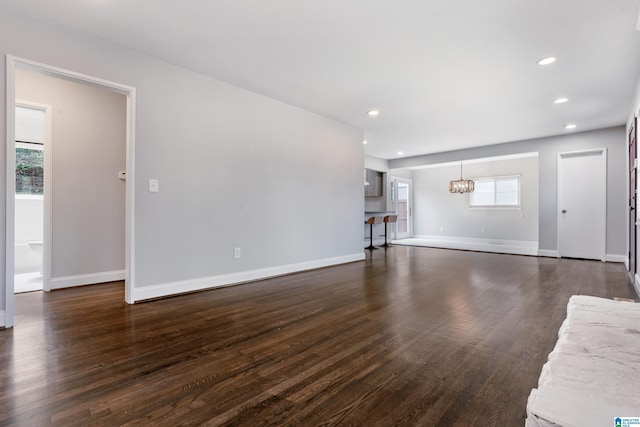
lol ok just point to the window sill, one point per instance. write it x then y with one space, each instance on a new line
29 197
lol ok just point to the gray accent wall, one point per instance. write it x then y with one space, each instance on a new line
88 201
548 148
235 168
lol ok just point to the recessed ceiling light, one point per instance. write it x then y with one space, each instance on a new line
561 100
570 126
400 153
547 61
373 112
364 142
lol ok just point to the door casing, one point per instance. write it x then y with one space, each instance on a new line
13 62
600 196
633 192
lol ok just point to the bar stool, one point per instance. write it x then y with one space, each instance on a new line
387 219
371 221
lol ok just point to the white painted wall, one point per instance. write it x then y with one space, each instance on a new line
435 207
236 169
613 139
88 198
376 163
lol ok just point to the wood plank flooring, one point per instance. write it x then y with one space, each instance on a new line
409 337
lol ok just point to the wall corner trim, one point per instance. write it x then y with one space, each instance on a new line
86 279
210 282
636 284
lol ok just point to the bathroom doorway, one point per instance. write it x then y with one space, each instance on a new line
32 142
75 258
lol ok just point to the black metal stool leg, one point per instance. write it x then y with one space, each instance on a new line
386 245
371 238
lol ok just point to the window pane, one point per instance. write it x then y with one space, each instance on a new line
483 194
507 185
507 199
507 192
29 169
496 192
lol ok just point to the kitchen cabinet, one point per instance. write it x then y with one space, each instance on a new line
373 183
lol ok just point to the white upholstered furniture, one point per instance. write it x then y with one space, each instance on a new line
593 373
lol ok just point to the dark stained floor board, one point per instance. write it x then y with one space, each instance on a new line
409 337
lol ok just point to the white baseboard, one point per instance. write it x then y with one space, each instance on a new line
516 247
548 253
636 285
608 257
616 258
86 279
184 286
3 319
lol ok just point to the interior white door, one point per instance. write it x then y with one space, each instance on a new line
582 179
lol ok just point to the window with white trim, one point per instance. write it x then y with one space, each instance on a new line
496 192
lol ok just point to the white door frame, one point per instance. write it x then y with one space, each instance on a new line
48 153
603 196
13 62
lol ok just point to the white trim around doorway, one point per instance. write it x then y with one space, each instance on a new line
602 198
12 62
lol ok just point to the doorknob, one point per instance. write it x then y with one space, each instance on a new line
564 211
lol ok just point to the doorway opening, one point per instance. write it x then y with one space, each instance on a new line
15 64
403 207
32 139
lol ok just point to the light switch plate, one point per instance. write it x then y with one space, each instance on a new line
153 186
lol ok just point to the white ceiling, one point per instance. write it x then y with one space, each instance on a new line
444 74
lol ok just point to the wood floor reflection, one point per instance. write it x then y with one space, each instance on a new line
411 336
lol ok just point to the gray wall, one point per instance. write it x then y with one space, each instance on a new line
236 169
548 148
635 105
435 207
88 198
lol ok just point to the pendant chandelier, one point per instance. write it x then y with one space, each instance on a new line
461 185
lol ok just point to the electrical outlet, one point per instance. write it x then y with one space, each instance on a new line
236 253
482 230
442 229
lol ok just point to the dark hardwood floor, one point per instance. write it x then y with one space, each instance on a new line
411 336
